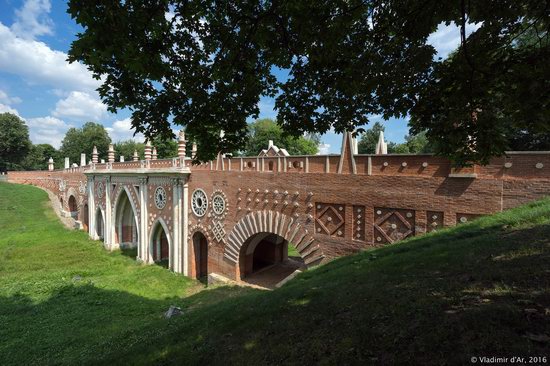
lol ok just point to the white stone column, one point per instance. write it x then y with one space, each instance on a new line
92 232
185 227
143 252
109 235
175 250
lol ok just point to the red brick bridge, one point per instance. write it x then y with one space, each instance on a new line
236 216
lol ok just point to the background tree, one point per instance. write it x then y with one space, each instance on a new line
263 130
166 147
368 140
414 144
83 140
206 64
126 148
38 156
14 141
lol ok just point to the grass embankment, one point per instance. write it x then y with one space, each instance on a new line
481 289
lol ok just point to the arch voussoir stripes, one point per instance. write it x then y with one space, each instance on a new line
275 223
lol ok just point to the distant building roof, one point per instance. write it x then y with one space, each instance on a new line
273 150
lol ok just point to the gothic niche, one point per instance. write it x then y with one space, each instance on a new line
329 219
391 225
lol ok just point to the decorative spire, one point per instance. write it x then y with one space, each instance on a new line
95 159
194 151
82 159
181 145
111 154
381 145
148 149
155 153
136 156
50 164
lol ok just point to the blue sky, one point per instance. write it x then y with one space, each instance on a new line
52 95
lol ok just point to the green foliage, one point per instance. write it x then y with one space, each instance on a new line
83 140
208 64
38 156
166 147
368 140
14 141
414 144
126 148
263 130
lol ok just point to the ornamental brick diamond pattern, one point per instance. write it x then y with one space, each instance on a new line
391 225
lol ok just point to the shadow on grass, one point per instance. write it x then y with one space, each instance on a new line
81 324
440 299
129 252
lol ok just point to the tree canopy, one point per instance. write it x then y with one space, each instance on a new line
204 65
263 130
14 141
414 144
126 148
38 156
83 140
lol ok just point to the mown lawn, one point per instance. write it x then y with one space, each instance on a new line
481 289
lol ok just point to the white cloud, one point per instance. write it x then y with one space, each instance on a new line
122 130
47 130
6 99
32 19
37 63
80 105
7 109
323 149
446 38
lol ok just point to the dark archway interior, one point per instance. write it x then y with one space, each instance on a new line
99 225
200 247
125 225
85 221
160 247
264 260
262 250
73 207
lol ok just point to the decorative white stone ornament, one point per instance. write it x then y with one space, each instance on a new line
508 165
463 219
199 202
100 190
218 204
539 165
160 198
404 164
425 164
409 215
386 163
379 212
393 226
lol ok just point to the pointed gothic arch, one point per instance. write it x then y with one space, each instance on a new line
160 243
100 223
126 220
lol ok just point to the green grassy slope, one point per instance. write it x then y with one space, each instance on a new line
63 298
481 289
